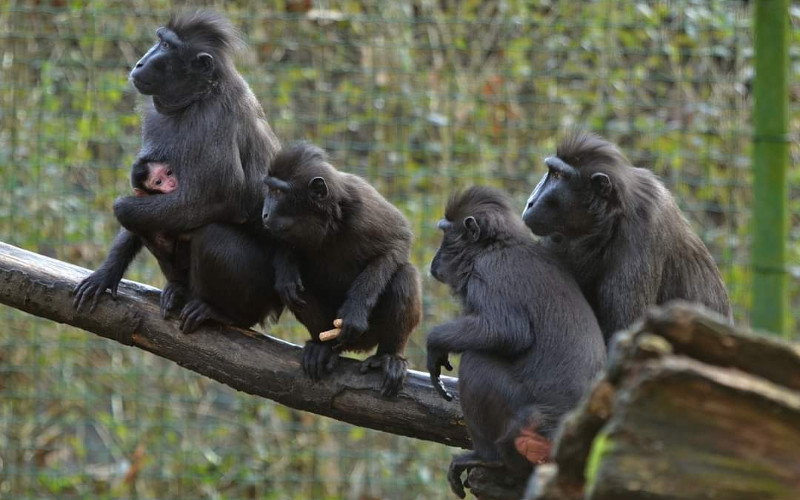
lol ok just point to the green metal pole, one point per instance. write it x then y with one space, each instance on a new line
770 228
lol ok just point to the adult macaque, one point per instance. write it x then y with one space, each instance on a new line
529 342
202 120
622 234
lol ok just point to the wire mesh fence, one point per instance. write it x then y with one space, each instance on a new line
421 98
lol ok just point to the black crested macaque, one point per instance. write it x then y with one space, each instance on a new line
530 344
352 249
203 121
621 232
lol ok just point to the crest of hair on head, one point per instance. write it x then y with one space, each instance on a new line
584 149
300 158
207 31
491 208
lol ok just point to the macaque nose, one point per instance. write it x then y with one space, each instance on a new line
528 206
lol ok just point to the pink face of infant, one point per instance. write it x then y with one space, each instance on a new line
160 180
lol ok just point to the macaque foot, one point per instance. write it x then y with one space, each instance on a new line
318 359
196 312
173 297
464 463
394 371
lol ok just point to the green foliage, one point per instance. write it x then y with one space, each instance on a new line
601 446
422 98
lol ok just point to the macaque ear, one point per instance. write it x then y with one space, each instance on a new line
318 188
204 62
473 229
601 183
139 192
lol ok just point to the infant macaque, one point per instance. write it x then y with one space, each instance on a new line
153 178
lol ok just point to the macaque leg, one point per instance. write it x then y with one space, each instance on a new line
232 275
463 463
395 316
319 357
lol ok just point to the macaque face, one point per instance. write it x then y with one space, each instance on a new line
160 179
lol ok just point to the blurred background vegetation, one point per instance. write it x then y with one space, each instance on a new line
419 96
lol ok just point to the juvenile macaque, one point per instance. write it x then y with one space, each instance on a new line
352 249
529 342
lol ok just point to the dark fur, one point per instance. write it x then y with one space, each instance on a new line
353 249
530 343
139 174
630 247
204 121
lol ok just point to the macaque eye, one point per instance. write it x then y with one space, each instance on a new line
158 182
274 191
556 174
169 173
165 44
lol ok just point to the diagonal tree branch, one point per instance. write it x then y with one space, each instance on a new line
243 359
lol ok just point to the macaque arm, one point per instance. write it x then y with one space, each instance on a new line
188 207
627 292
495 327
123 249
473 333
369 285
169 213
288 282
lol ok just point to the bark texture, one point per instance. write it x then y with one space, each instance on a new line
243 359
689 409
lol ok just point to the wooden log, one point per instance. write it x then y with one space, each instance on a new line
687 430
243 359
690 408
702 335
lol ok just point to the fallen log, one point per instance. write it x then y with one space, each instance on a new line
690 408
243 359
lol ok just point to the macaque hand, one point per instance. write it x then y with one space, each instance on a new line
437 358
354 324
